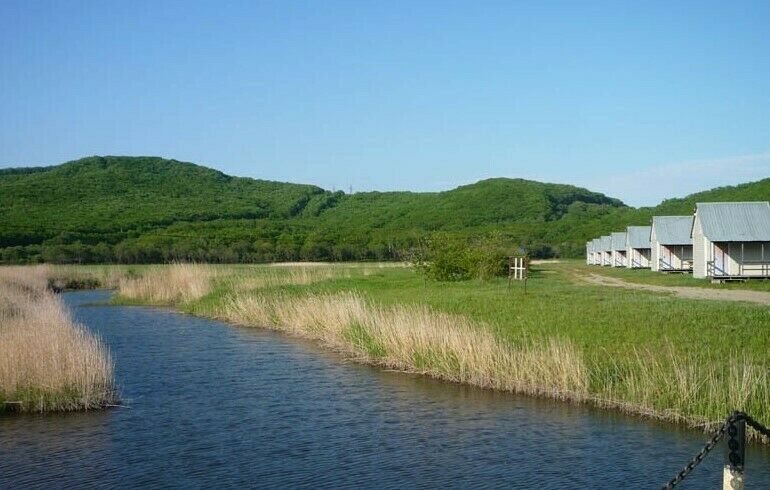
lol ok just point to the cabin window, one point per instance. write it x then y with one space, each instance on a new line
756 252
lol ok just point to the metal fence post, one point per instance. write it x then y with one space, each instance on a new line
733 476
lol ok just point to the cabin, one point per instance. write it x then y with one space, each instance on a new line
731 240
618 249
589 252
597 243
671 244
605 246
638 248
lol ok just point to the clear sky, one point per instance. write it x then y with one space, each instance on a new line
640 100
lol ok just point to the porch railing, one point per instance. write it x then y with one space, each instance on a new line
686 265
756 267
753 268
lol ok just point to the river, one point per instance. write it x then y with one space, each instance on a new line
214 405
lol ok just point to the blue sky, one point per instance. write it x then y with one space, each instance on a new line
640 100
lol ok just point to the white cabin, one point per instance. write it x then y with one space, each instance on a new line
618 249
605 247
638 247
731 240
596 246
597 251
671 243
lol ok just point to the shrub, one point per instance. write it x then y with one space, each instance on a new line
445 258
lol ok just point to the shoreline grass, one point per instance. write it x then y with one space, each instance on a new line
681 360
47 361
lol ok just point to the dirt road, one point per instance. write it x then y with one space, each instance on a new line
760 297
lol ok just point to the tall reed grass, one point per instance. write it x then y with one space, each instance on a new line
184 282
665 385
47 362
293 275
169 285
419 340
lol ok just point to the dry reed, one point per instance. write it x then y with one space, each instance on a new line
290 275
168 285
417 339
47 362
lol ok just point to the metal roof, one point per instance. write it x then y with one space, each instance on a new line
672 230
606 244
618 240
593 246
734 221
638 236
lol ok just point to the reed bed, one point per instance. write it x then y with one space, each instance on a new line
169 285
47 362
69 277
291 275
665 385
416 339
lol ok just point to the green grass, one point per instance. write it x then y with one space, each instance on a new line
603 321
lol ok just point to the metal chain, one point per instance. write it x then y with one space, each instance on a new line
711 444
695 461
756 425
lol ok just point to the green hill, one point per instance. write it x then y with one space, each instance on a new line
113 193
148 209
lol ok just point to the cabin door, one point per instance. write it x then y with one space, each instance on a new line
719 259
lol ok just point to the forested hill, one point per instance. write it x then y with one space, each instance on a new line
147 209
107 194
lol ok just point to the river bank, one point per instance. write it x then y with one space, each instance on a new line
651 354
47 361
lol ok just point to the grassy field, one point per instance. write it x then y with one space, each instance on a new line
691 361
47 362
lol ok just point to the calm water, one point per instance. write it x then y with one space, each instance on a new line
213 405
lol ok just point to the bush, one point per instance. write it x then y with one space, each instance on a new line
445 258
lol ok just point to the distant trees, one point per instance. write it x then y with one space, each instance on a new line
144 209
226 246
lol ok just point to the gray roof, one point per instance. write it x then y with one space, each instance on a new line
673 230
735 221
589 246
593 246
639 236
618 240
606 244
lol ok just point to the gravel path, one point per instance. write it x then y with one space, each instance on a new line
760 297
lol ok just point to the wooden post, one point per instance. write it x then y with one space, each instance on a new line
733 476
517 270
